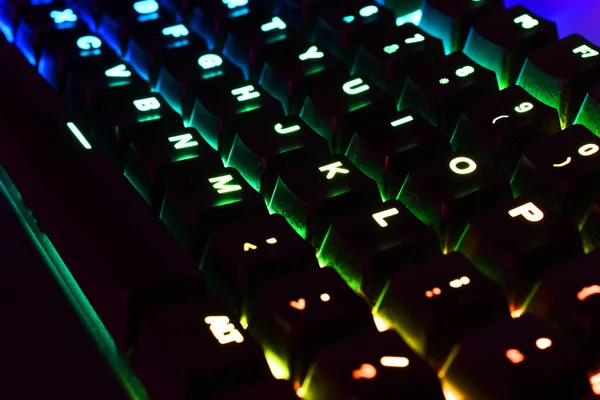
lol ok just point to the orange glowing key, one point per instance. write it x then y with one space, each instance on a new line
587 292
515 356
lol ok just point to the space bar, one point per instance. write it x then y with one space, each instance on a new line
120 255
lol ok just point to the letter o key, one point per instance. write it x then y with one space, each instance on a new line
456 162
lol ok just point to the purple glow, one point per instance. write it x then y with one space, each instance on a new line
571 16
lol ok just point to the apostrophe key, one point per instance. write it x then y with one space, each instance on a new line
196 199
517 243
518 359
243 255
500 127
569 296
63 49
92 78
339 25
451 21
590 110
561 73
122 112
37 22
146 155
151 45
439 92
385 144
331 99
213 19
222 105
386 54
291 67
310 195
435 303
446 193
298 315
501 41
119 20
247 46
372 366
270 388
195 349
182 72
366 246
562 168
261 151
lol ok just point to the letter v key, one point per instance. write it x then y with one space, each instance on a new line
119 71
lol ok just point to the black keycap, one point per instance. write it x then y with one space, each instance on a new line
332 99
39 21
88 10
195 349
501 41
372 366
92 78
517 359
311 194
293 66
386 54
561 73
588 114
451 21
63 49
368 245
196 199
118 253
271 388
442 90
188 68
124 113
517 243
296 316
261 151
222 105
500 127
563 168
445 194
243 255
152 44
148 154
248 45
569 296
213 19
435 303
339 25
118 20
385 144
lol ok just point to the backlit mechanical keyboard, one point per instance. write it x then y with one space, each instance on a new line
317 199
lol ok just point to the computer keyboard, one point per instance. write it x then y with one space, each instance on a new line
319 199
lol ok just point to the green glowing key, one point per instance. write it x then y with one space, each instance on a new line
313 192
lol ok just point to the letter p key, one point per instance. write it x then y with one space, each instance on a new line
529 211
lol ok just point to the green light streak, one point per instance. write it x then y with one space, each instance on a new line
77 133
72 291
